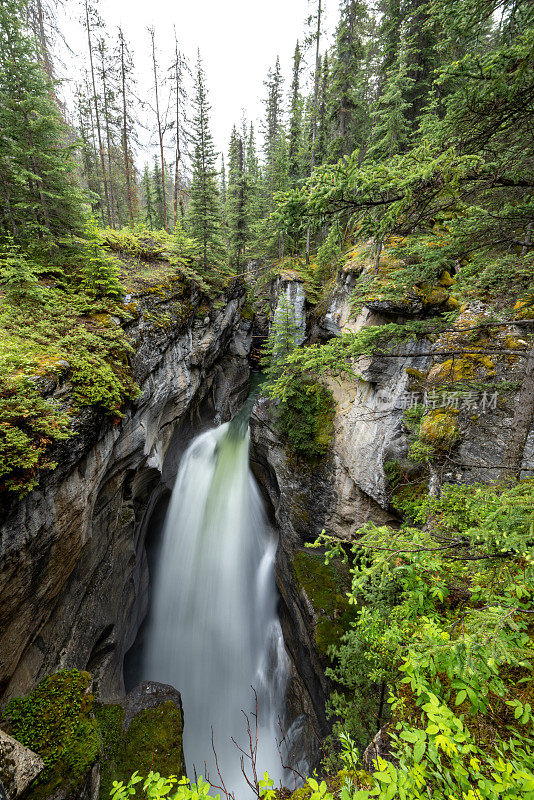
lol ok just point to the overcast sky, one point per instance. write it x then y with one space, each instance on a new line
238 39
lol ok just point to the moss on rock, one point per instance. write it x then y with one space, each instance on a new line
153 740
55 721
326 586
439 428
471 366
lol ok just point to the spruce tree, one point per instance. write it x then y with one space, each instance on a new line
275 152
18 275
100 271
39 198
236 208
204 213
159 202
148 199
254 207
295 122
347 89
391 126
321 147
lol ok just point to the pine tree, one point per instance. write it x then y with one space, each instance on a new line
92 20
204 214
179 69
39 198
163 193
126 68
223 181
422 56
254 202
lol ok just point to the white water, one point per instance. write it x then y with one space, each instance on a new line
214 629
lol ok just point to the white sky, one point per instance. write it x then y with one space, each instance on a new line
238 39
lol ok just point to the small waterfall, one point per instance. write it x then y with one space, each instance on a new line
213 630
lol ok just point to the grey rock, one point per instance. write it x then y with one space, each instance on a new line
73 569
380 747
19 767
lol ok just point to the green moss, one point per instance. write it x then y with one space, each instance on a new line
306 418
152 741
55 721
439 429
326 586
469 367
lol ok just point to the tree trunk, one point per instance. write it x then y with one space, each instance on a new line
160 132
125 133
314 114
112 203
97 113
522 422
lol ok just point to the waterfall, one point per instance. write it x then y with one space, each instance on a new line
213 630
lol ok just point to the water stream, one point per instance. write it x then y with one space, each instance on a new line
213 630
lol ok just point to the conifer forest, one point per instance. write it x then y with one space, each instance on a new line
267 401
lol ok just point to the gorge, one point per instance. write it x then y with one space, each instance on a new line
267 419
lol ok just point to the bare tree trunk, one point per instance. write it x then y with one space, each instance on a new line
112 203
97 114
178 202
125 132
160 132
47 64
522 421
528 237
314 114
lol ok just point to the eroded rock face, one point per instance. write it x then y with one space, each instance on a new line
18 767
350 486
73 572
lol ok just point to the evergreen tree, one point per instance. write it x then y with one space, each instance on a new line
148 199
100 271
295 122
159 201
422 56
391 128
275 153
321 147
347 88
39 197
223 181
204 217
237 201
18 276
253 205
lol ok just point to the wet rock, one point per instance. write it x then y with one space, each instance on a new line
142 732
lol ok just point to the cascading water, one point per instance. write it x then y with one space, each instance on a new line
214 631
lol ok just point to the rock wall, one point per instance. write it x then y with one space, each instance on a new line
351 486
73 573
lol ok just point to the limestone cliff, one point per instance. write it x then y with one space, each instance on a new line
388 406
73 573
